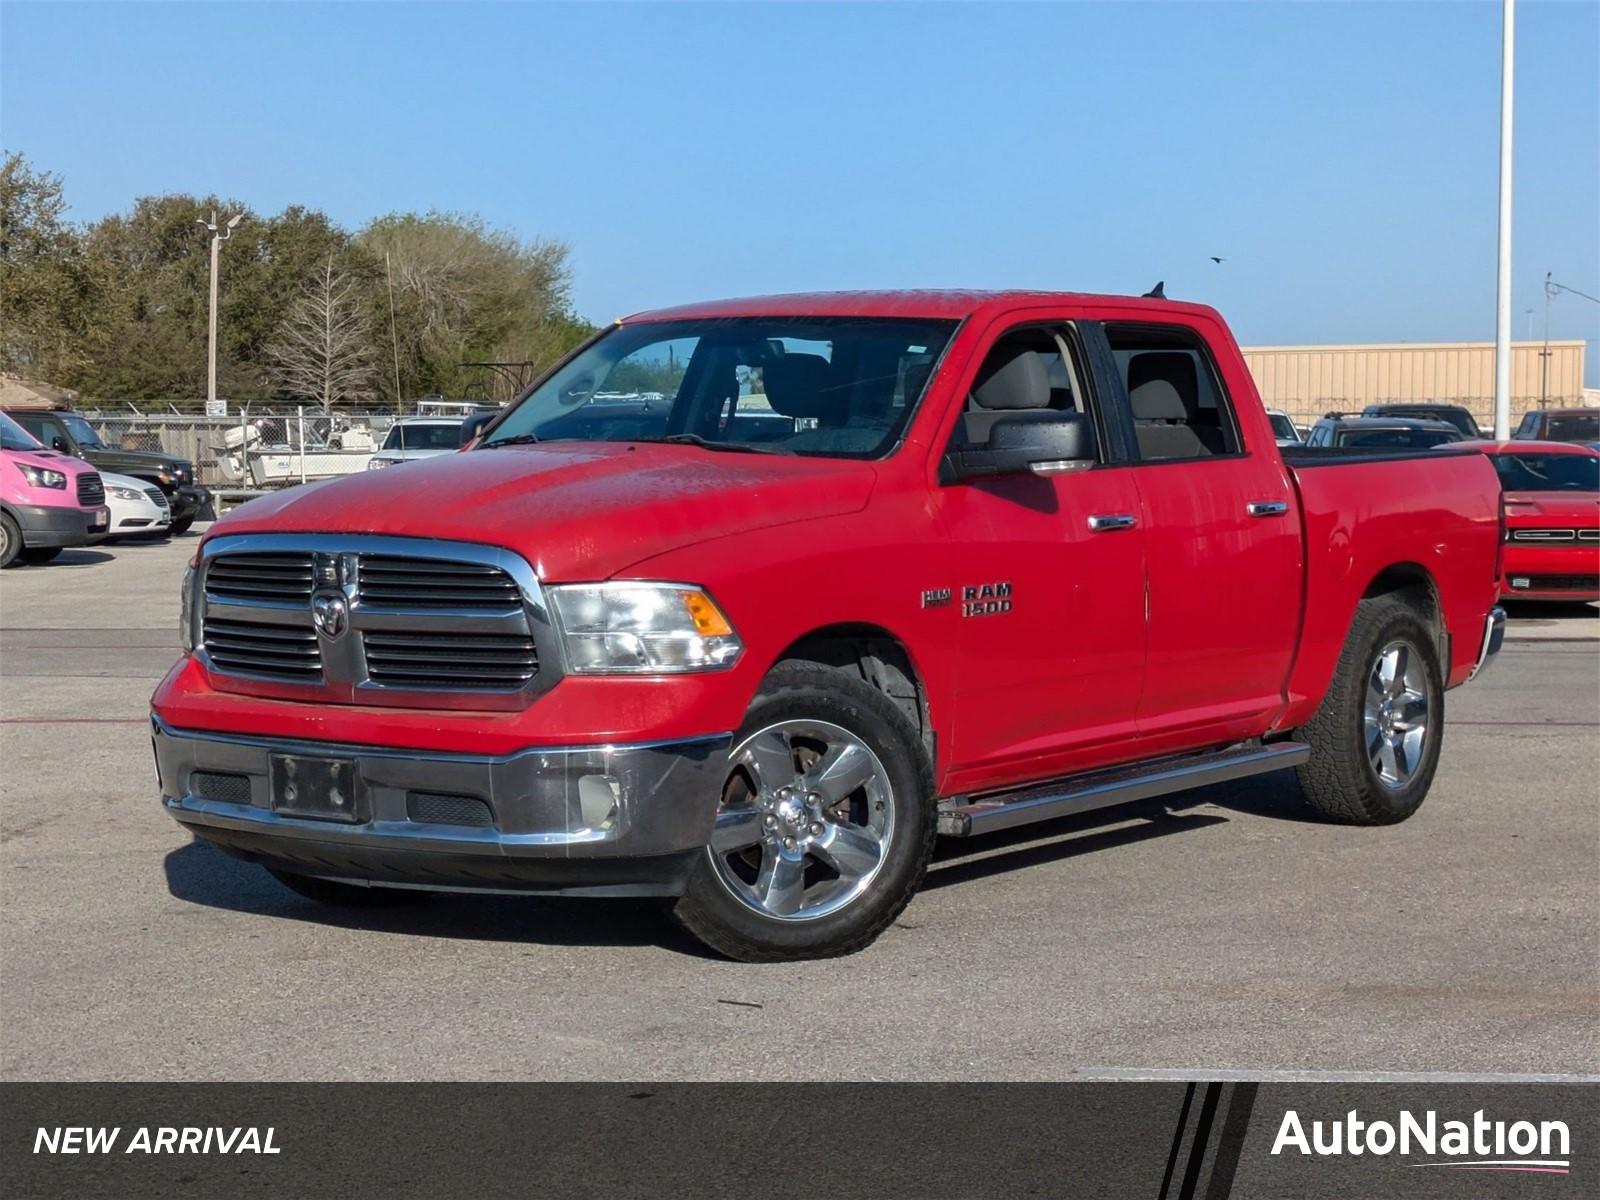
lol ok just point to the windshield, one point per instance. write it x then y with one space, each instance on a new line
82 432
15 437
1548 472
1401 438
423 437
836 386
1578 428
1282 427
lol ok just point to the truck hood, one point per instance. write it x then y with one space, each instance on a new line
1579 509
128 461
576 510
52 460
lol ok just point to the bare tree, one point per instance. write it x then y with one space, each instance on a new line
324 345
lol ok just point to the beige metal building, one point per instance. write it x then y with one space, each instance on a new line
1308 381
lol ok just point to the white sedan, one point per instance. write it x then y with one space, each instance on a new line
138 508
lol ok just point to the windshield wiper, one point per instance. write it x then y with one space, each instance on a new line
694 439
516 439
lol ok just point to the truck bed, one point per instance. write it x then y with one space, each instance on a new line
1432 515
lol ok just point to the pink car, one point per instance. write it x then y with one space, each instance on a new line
47 500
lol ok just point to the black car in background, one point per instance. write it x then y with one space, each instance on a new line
1380 433
1560 425
1450 414
67 431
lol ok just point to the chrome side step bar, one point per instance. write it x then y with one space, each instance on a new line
1119 785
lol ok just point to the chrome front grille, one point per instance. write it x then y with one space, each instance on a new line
157 496
369 619
475 662
261 578
91 488
287 652
391 581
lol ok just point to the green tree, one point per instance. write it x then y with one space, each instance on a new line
119 309
48 290
464 293
155 324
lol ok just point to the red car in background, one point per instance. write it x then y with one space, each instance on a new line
1552 505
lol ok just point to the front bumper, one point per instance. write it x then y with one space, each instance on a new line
1567 572
188 500
48 526
1494 636
598 820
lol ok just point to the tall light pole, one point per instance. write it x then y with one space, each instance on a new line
217 238
1552 289
1502 323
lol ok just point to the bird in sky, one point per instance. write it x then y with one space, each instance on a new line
1215 259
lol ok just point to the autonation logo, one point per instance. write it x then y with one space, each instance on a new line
1476 1145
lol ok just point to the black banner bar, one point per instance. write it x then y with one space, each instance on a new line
1164 1141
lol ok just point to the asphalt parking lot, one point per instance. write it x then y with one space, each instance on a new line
1231 934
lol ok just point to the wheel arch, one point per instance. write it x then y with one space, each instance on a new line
1414 583
880 658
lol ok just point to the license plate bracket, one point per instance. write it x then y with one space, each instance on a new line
322 789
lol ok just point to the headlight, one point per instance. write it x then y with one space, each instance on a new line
186 610
642 628
42 476
127 493
374 463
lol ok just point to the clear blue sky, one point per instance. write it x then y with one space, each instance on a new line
1342 157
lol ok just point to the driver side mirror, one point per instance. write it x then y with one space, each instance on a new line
474 425
60 443
1021 445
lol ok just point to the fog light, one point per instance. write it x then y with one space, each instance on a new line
597 800
1519 581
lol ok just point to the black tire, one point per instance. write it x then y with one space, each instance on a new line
179 528
10 540
803 691
39 554
1340 782
346 895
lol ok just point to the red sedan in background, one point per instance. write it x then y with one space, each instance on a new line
1552 500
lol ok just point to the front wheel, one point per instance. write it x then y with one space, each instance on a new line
10 540
181 527
1375 738
825 824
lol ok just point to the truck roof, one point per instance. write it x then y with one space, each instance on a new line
952 304
1359 421
37 406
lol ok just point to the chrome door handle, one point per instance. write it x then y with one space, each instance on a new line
1108 521
1267 508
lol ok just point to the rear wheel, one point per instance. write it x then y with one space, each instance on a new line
1375 738
10 540
825 825
345 895
39 554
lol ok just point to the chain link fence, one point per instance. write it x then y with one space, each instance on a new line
253 450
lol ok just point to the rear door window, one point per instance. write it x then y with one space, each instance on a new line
1175 393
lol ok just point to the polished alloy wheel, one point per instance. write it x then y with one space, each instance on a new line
805 820
1395 714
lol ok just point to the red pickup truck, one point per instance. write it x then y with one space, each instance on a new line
744 603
